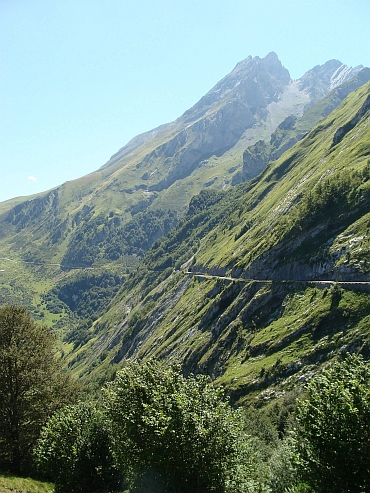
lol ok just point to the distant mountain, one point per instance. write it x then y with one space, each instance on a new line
246 104
257 156
165 202
261 285
318 81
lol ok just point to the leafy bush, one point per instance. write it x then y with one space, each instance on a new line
178 433
74 451
333 432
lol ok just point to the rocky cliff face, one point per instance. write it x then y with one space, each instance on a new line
317 82
322 79
251 101
256 157
245 92
219 120
255 82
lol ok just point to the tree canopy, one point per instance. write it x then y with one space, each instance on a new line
175 432
333 432
74 450
32 385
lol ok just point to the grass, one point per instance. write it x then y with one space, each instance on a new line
245 336
275 336
15 484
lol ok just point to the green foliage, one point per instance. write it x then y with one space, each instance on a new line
206 210
74 450
83 297
177 431
100 237
333 431
331 196
270 430
282 468
52 303
282 412
32 385
29 212
204 200
87 294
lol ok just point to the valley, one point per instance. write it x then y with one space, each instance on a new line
234 240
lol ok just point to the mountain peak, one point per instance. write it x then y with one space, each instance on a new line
253 81
342 74
321 79
269 61
272 57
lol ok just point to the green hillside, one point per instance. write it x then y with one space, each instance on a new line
157 254
240 289
65 253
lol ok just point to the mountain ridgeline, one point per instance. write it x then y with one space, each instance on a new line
234 240
240 288
138 195
292 129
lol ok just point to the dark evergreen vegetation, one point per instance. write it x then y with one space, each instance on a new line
109 238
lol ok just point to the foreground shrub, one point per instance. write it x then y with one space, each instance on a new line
74 451
176 434
333 432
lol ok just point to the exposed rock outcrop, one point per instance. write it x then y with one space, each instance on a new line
291 130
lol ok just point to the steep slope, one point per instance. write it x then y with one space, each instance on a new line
244 288
108 219
292 129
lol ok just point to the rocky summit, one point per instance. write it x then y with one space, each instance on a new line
233 240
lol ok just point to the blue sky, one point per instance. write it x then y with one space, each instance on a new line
80 78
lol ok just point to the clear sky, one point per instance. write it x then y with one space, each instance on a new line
80 78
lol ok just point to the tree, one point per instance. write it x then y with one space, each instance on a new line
333 433
176 433
74 451
32 385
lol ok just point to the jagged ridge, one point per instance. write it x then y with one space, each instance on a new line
305 218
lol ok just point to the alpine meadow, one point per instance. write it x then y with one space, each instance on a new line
194 316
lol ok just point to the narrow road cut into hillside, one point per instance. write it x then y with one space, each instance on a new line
352 285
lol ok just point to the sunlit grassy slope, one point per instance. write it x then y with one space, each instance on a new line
305 219
108 219
25 485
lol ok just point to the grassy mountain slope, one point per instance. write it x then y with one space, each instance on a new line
108 219
269 320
